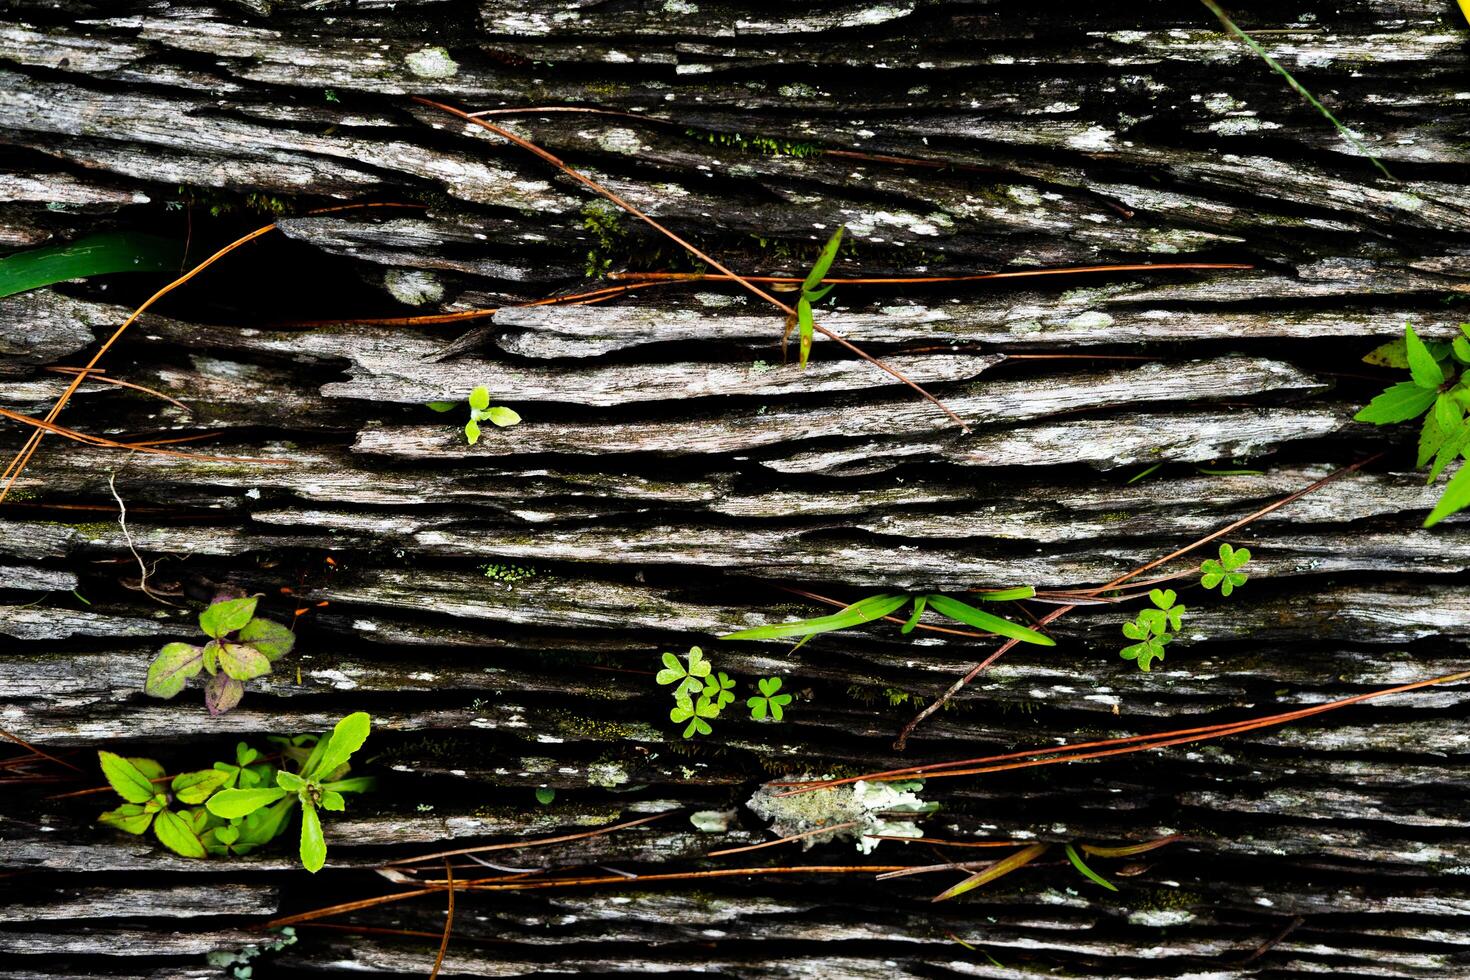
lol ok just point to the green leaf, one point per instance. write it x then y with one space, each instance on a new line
227 616
332 800
1137 631
1400 403
1424 369
126 778
1461 348
227 835
969 615
243 662
1002 867
673 670
806 328
443 406
222 693
698 666
196 787
824 261
1163 599
502 416
269 637
313 845
472 431
130 818
1456 497
815 296
176 835
1143 473
211 657
758 708
173 665
357 784
231 803
769 685
862 611
1453 445
777 703
480 398
1393 354
1087 872
699 725
544 795
1006 595
347 737
1431 436
94 255
919 603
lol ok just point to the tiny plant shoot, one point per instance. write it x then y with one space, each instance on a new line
231 807
1438 389
716 690
241 646
803 321
878 606
1154 629
480 411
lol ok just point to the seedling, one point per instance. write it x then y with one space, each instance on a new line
480 411
228 809
1436 392
878 606
240 647
811 292
1154 629
715 689
319 784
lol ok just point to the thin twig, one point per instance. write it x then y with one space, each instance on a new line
784 840
448 921
122 522
22 742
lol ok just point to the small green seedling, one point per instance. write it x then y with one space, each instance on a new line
544 795
879 606
1438 389
1223 572
768 701
241 646
238 961
811 292
715 690
480 411
319 784
189 818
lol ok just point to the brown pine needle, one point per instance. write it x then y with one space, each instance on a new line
98 375
24 744
448 921
515 845
692 250
920 280
432 319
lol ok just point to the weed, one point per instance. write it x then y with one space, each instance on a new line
480 411
715 690
879 606
757 144
238 962
318 783
241 646
1152 627
1435 392
802 319
223 807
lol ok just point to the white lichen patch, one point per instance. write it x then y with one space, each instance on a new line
932 225
867 809
431 63
712 821
413 287
606 774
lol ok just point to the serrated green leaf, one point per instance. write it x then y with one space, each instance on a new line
1393 354
1400 403
1456 497
130 818
227 616
970 616
1431 438
173 665
1424 369
269 637
176 835
126 778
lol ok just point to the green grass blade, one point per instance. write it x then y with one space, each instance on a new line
862 611
94 255
1139 476
1006 595
807 327
1276 66
1003 867
1087 872
970 616
824 261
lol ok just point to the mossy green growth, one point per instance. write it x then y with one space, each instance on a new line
509 574
765 145
218 202
605 222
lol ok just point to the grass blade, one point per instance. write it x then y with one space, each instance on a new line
94 255
1087 872
1006 595
1000 868
862 611
824 261
970 616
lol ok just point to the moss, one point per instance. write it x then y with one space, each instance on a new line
575 725
764 145
1168 900
219 202
509 574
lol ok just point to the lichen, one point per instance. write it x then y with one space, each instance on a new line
432 63
866 807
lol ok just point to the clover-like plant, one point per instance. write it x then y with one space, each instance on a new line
879 606
1438 389
715 689
1224 572
1151 629
768 701
480 411
319 784
241 646
803 321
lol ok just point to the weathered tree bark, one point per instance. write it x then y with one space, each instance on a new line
672 473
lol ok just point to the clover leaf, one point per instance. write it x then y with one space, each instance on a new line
1223 572
768 701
